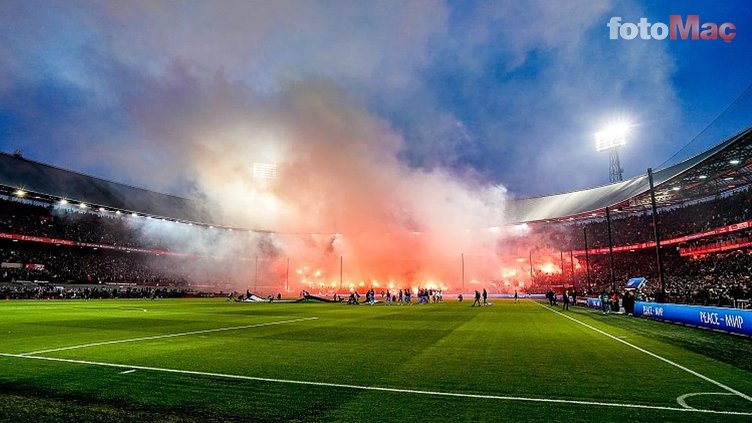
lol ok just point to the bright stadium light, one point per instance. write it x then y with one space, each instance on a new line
613 136
20 193
734 162
63 201
83 205
702 177
264 170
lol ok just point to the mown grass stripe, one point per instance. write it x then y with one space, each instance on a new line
654 355
169 335
379 388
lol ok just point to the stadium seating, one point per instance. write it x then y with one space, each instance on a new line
716 279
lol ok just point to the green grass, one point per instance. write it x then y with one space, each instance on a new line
517 350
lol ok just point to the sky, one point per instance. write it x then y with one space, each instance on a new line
504 94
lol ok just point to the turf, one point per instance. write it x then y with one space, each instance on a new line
513 350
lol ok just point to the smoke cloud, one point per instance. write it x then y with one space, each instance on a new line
341 194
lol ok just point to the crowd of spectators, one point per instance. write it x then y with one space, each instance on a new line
13 291
87 225
715 279
62 265
78 265
72 223
637 228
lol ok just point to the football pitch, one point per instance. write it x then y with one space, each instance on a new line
208 359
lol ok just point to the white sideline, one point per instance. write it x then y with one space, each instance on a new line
169 335
377 388
665 360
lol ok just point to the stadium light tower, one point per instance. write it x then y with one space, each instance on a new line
611 139
266 171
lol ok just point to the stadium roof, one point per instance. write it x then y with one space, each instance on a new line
49 183
725 167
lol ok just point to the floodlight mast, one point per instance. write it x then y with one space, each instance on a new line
615 171
611 139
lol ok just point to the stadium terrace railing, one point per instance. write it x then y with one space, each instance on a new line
673 241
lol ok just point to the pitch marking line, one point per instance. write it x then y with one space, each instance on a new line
682 398
169 335
377 388
665 360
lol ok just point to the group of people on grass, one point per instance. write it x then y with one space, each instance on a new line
400 297
566 298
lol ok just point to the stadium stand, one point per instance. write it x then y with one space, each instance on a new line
704 206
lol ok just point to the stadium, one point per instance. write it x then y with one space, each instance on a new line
311 269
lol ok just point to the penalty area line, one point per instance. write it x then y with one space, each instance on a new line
169 335
652 354
377 388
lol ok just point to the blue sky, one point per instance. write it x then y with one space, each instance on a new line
500 92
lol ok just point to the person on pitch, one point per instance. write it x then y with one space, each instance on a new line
477 299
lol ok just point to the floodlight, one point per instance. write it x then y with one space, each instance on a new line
63 201
675 188
264 170
20 193
83 205
102 209
702 177
734 162
613 136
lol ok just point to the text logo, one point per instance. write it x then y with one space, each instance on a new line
677 29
